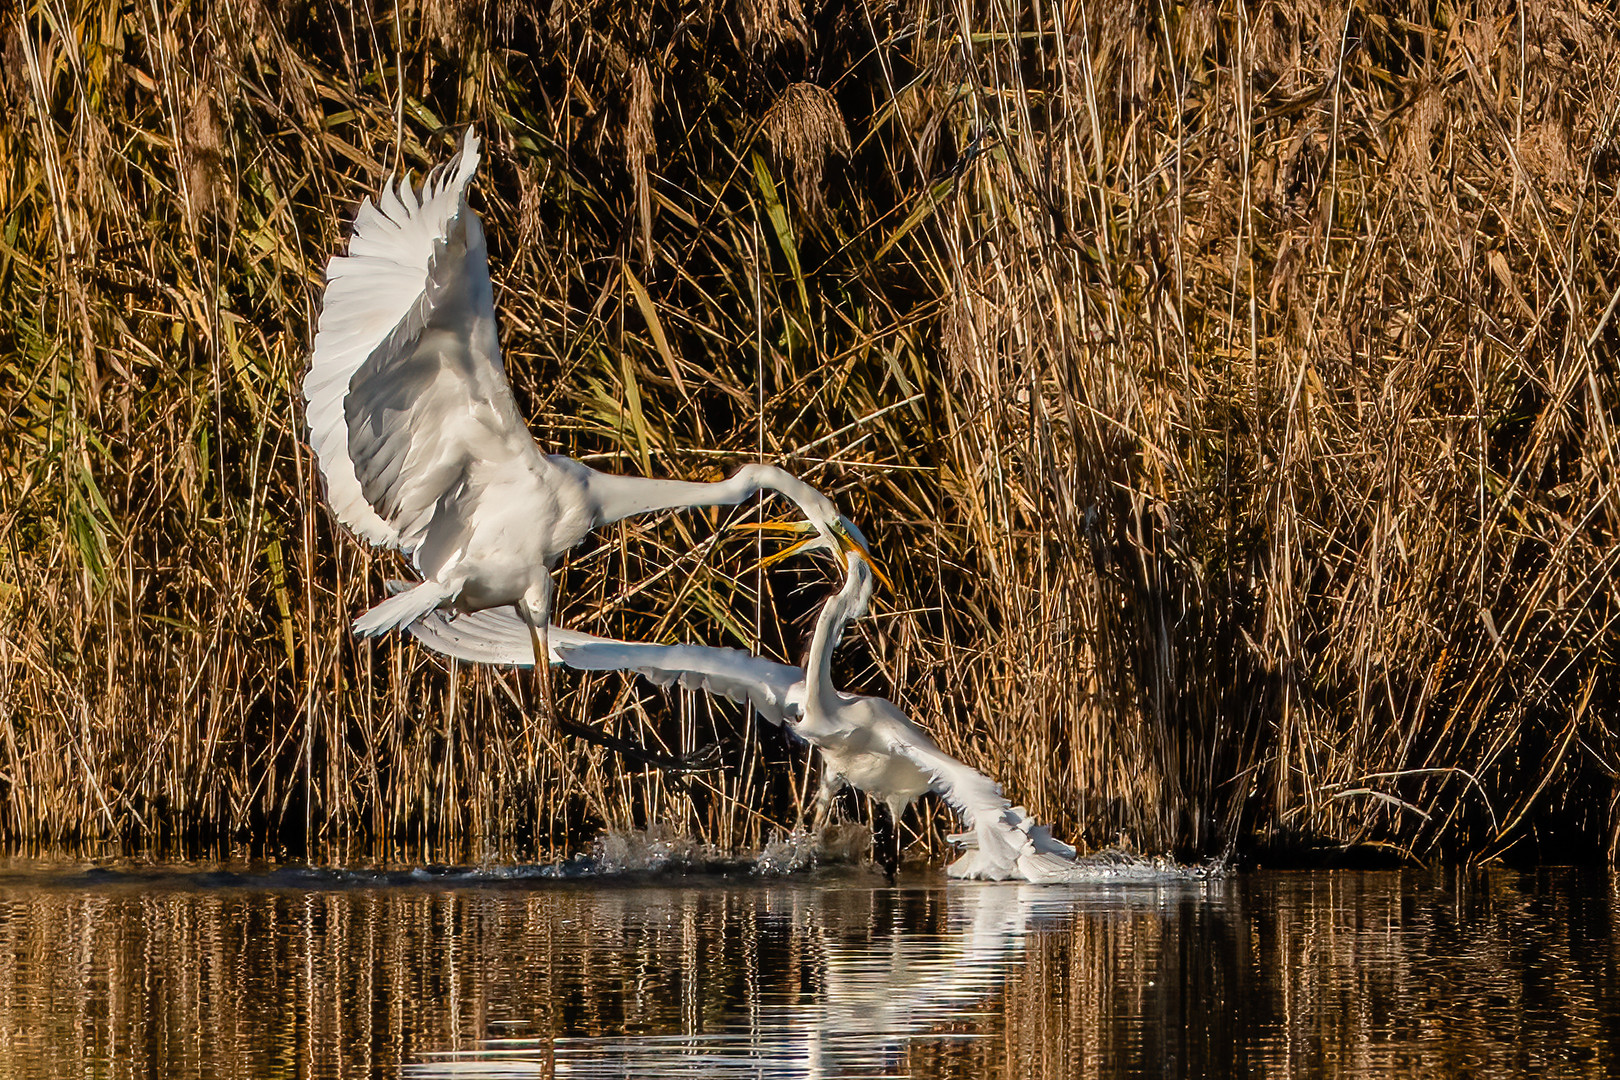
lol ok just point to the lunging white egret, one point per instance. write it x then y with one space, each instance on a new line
865 742
419 437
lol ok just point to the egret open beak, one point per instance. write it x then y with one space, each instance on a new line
791 528
788 552
846 540
850 543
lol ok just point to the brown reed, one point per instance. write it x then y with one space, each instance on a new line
1230 388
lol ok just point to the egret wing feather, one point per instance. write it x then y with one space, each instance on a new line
492 636
1003 840
500 636
408 396
766 685
369 292
430 412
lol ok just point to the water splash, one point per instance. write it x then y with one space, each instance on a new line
790 853
1116 866
653 850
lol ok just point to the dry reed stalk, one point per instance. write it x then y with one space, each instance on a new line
1231 391
805 129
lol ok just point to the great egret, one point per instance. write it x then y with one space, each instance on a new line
864 741
421 442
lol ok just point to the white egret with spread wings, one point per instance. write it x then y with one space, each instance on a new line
866 742
420 440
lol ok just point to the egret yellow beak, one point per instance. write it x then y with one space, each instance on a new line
788 552
797 525
849 543
846 543
791 528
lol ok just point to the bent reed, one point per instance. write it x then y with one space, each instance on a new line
1230 389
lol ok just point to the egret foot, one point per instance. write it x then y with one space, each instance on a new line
704 760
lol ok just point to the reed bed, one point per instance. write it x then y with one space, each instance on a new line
1230 390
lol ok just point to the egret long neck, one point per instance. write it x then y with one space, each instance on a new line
619 497
839 611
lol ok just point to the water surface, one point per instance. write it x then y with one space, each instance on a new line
263 972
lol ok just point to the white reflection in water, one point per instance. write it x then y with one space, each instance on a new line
876 995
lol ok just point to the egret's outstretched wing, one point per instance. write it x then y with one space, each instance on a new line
1003 841
776 691
491 636
405 387
499 636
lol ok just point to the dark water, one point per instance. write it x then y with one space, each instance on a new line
268 973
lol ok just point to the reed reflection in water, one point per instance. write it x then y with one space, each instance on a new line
318 973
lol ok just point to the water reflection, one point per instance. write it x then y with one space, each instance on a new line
318 974
868 985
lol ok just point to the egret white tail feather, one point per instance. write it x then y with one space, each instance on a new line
403 608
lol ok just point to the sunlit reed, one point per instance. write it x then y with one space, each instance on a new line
1231 392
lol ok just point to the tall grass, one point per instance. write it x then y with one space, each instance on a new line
1230 389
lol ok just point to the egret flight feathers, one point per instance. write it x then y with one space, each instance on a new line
430 414
499 636
369 292
730 673
1002 841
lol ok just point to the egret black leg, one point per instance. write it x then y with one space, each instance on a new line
542 671
705 760
885 842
